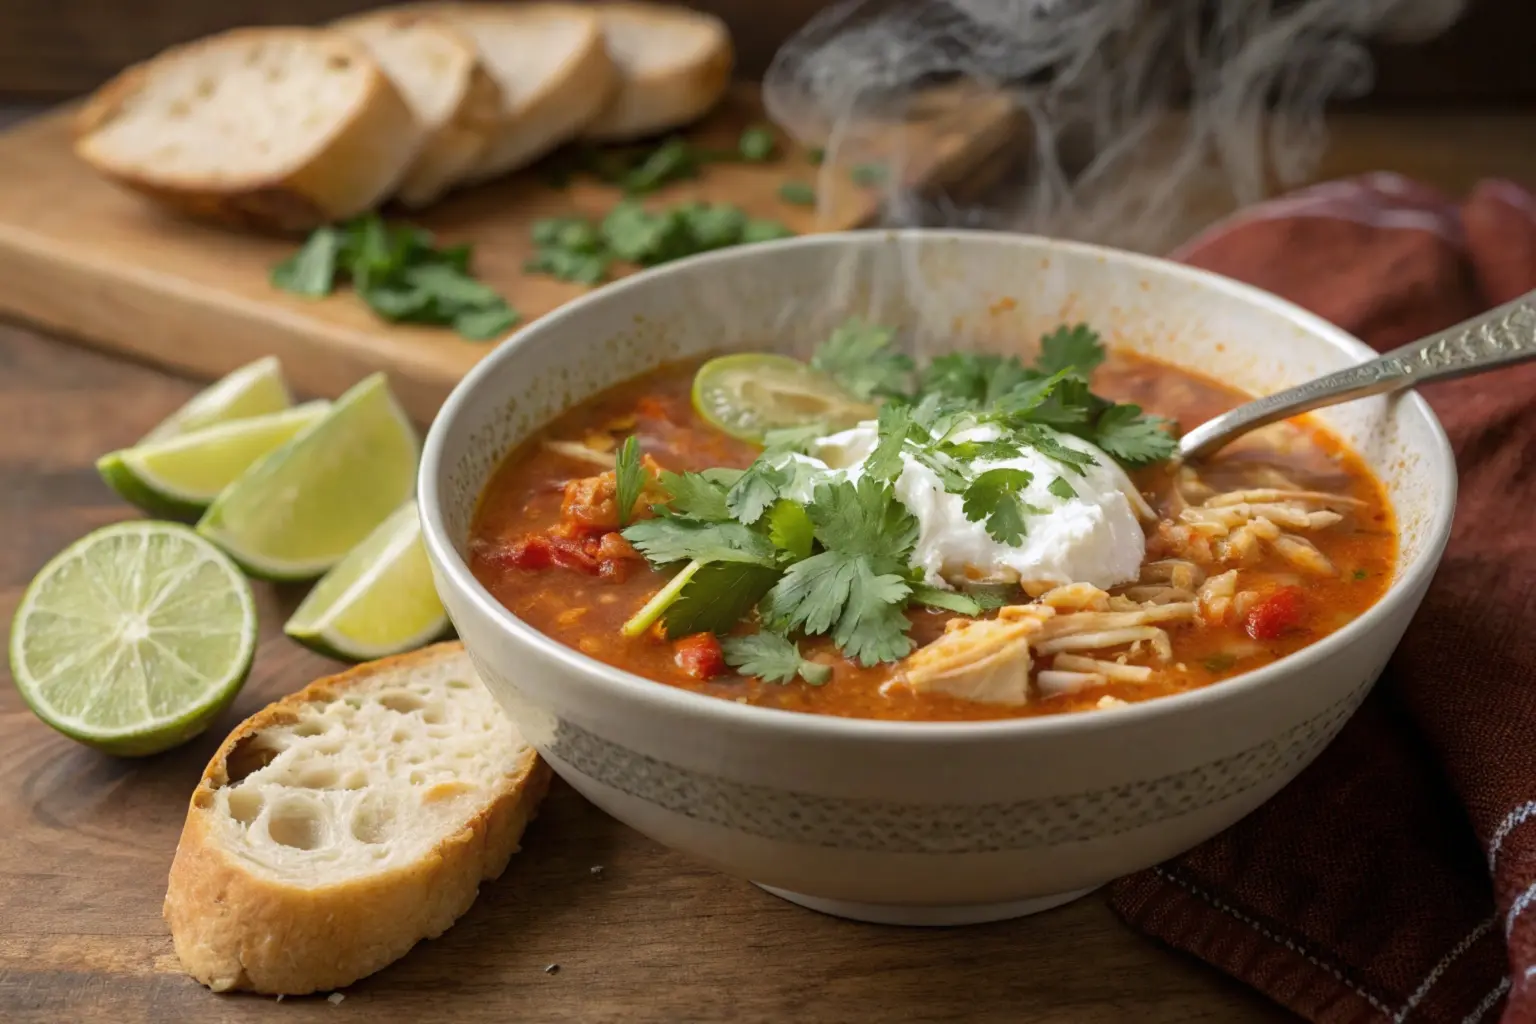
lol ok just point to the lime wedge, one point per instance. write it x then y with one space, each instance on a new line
179 477
299 509
253 390
379 600
749 394
134 638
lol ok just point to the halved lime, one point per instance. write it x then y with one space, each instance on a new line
749 394
253 390
299 509
133 638
379 600
180 476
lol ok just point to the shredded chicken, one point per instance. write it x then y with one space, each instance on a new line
1097 622
581 452
1108 669
1277 494
1303 554
1157 638
1053 683
1076 597
1156 594
984 660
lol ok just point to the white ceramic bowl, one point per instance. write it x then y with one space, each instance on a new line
923 823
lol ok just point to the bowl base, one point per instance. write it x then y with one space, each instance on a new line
928 916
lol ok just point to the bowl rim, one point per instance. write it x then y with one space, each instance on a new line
676 700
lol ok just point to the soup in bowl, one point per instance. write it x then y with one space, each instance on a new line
859 566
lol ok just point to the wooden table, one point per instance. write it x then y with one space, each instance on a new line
85 841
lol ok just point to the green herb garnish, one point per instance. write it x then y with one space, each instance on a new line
945 600
868 174
1219 662
772 658
399 272
798 193
816 156
757 144
859 357
628 477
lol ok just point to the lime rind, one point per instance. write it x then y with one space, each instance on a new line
255 389
299 509
180 476
748 394
110 628
379 600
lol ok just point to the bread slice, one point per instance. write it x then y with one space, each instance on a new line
338 827
438 71
281 128
674 65
553 70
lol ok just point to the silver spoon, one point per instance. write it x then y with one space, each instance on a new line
1501 337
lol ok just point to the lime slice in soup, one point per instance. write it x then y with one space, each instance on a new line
180 476
253 390
134 638
379 600
750 394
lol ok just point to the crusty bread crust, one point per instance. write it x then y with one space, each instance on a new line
562 108
234 929
655 101
452 147
353 169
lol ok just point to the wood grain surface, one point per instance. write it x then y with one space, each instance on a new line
86 259
86 841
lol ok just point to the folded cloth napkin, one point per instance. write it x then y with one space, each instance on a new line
1395 879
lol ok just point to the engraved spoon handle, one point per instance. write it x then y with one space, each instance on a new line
1498 338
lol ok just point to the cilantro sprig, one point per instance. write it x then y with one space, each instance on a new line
773 659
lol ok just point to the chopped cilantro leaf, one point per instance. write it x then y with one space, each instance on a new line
981 451
841 593
761 230
798 193
868 174
1047 443
995 496
668 538
976 378
772 658
757 144
857 356
1019 404
951 474
672 161
790 529
793 439
312 270
759 487
864 519
884 463
486 324
994 596
1074 348
717 597
1219 662
816 156
1361 574
948 600
695 495
1132 437
1062 488
628 477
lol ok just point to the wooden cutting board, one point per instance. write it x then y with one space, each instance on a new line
81 257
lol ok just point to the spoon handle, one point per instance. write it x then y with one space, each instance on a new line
1500 337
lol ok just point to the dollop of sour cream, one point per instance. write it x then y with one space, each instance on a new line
1094 537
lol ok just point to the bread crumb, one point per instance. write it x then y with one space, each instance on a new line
279 997
1107 701
552 969
335 998
597 869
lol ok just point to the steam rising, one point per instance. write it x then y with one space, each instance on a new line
1146 118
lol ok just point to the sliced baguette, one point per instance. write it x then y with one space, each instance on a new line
674 66
438 71
281 128
554 74
338 827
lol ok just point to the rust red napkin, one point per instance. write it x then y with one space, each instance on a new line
1395 879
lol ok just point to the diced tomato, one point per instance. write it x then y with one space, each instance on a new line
530 554
614 548
653 407
1276 614
570 553
700 656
